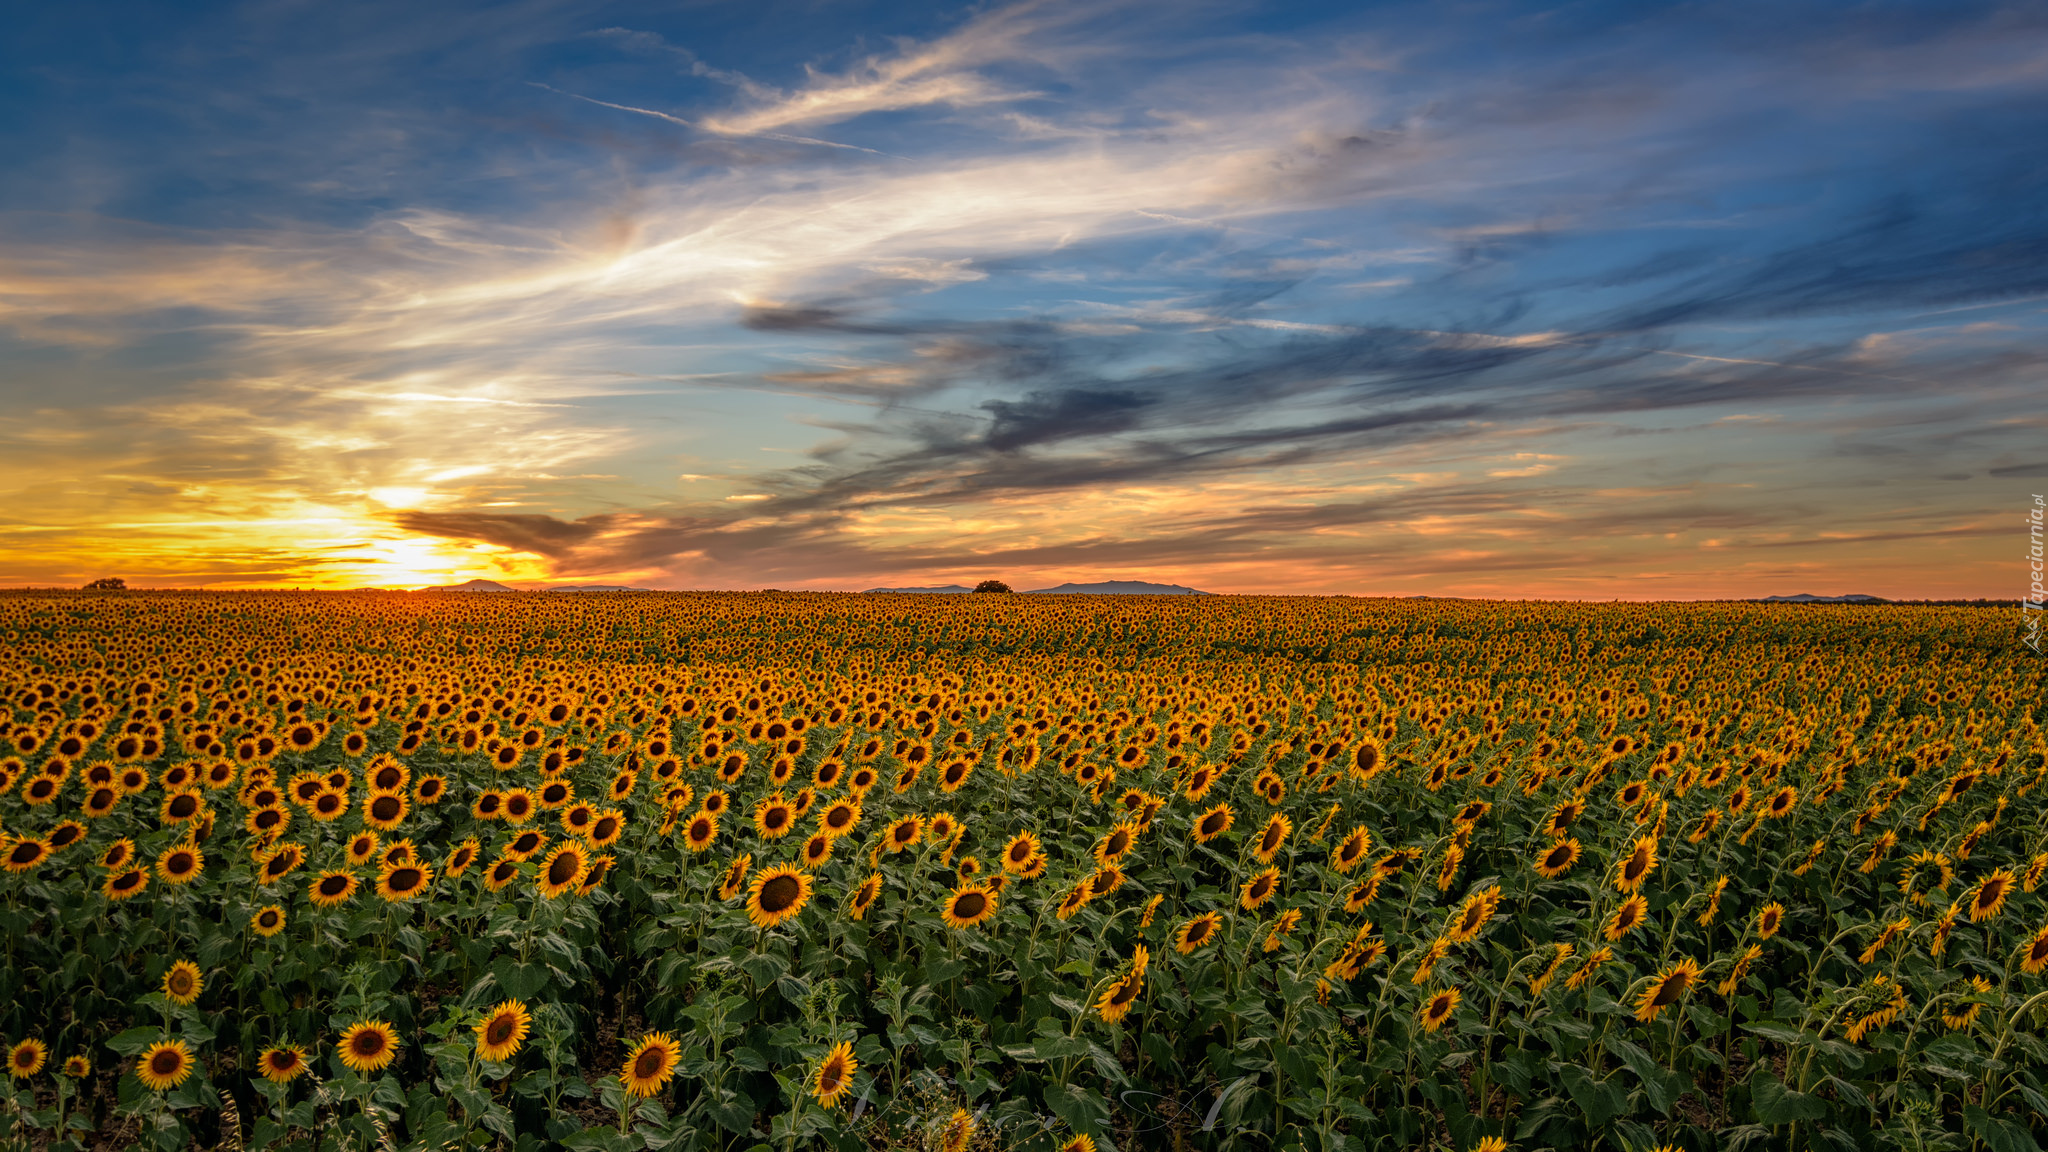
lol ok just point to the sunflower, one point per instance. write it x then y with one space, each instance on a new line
327 806
77 1067
1472 917
1351 850
1559 821
1987 898
957 1133
834 1077
1212 823
1112 847
700 831
1962 1017
525 846
1431 957
778 894
101 801
1559 954
1283 925
864 897
1588 967
1667 989
735 881
1741 968
26 853
1636 868
577 818
181 808
650 1064
502 1031
1627 918
164 1065
1769 920
332 888
122 885
490 805
1270 840
903 833
839 818
268 920
817 850
1018 852
1257 891
502 872
563 869
1558 859
1116 1000
386 810
774 817
459 860
1437 1010
1076 898
368 1045
26 1058
1197 933
283 1064
607 828
397 883
1360 895
119 854
180 864
969 905
362 848
2035 958
1781 802
600 867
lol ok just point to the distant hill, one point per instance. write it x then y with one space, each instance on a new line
939 589
1120 588
592 588
1810 598
468 586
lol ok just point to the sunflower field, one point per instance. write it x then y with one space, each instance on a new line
777 871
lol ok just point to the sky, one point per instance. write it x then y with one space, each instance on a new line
1493 299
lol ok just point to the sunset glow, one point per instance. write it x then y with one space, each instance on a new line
1602 302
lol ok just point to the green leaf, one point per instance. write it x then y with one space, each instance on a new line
1600 1100
1775 1104
520 981
134 1040
1997 1134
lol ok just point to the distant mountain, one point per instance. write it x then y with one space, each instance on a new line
940 589
468 586
1120 588
1810 598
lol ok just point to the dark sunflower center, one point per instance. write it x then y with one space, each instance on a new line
385 778
563 869
1199 932
1271 840
406 879
779 893
526 842
775 818
184 805
334 886
1264 884
830 1077
128 880
969 905
518 806
166 1063
504 871
384 808
179 863
284 1061
604 828
367 1043
1125 993
501 1030
1212 824
647 1065
1672 989
1118 842
26 852
1558 857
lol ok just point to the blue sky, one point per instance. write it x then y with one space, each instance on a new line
1595 301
